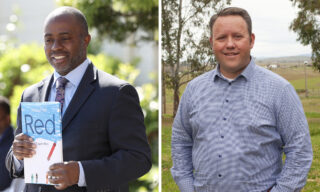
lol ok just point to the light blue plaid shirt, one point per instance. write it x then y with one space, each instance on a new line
230 136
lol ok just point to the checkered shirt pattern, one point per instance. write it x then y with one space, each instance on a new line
230 136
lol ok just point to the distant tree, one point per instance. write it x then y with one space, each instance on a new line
307 26
185 40
117 19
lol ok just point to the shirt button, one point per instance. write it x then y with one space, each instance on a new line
222 136
220 156
227 100
229 83
219 175
224 118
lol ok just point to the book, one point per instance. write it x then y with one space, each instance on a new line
42 122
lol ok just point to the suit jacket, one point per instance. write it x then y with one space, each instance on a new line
103 127
5 142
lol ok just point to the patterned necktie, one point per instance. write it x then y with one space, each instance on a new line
60 89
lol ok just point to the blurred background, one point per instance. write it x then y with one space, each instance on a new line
124 43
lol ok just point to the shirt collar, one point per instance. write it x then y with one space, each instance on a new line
216 73
247 73
73 76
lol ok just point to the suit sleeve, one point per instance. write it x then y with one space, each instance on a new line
131 157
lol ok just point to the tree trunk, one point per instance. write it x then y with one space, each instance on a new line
177 65
175 99
164 102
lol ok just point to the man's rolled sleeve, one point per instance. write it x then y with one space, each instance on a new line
182 170
293 127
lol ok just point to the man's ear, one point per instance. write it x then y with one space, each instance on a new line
87 39
211 43
252 38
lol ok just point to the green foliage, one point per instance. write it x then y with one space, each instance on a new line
18 67
148 182
27 64
307 26
117 19
149 102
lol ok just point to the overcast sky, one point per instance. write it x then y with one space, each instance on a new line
270 22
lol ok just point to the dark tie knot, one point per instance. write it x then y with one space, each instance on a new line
61 82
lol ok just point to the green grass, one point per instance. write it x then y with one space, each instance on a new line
311 107
312 115
314 127
312 83
313 182
167 181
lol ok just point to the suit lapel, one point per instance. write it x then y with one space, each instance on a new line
44 89
82 93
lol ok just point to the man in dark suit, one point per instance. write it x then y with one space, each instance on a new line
104 140
6 139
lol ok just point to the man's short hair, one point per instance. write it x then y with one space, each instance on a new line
4 105
234 11
74 12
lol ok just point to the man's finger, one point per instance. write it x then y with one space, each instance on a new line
56 176
24 143
20 151
55 172
58 182
23 151
56 166
55 179
67 173
23 136
23 148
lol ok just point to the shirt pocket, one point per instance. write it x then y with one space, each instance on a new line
255 122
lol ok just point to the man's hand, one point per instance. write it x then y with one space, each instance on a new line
23 146
64 174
